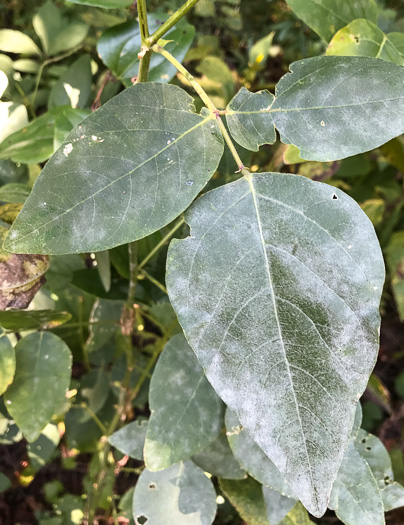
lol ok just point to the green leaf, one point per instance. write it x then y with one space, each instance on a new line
179 495
41 381
328 107
325 17
218 460
119 192
5 483
253 458
247 118
260 50
355 496
278 291
13 117
364 39
247 497
56 33
7 363
119 46
74 87
104 268
34 143
32 319
397 39
40 451
297 516
16 42
105 4
395 264
104 319
186 414
26 65
277 506
130 439
14 192
94 390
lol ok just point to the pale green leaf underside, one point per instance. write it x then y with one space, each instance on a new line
130 439
40 383
277 291
186 413
329 107
129 169
179 495
325 17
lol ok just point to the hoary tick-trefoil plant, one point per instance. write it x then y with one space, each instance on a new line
276 287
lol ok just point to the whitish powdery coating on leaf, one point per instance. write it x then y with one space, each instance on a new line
277 291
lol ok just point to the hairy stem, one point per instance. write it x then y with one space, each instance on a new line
163 29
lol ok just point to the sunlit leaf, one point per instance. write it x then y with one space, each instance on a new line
7 363
12 41
33 319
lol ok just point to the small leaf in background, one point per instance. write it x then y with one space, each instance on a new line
74 87
7 363
218 460
130 439
57 33
186 414
40 451
260 50
217 80
146 187
325 17
247 497
21 276
26 65
277 506
179 495
5 483
105 4
355 482
43 368
12 41
374 209
379 393
104 268
317 278
13 117
14 192
120 45
247 119
297 516
252 458
35 142
395 263
363 38
104 323
33 319
94 390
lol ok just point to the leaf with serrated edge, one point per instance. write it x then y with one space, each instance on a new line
128 170
329 107
277 291
179 495
186 413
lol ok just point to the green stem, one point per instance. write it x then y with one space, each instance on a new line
143 24
207 101
154 281
144 66
161 244
163 29
93 416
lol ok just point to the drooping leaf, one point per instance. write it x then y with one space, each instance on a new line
277 506
32 319
325 17
252 458
218 460
74 87
7 363
329 107
130 439
186 414
246 496
179 495
277 291
56 33
34 143
41 381
119 192
12 41
364 39
356 483
120 45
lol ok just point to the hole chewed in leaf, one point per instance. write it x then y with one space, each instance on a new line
141 520
152 486
334 197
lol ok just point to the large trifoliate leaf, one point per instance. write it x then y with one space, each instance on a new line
120 45
325 17
329 107
186 414
129 169
179 495
278 291
40 383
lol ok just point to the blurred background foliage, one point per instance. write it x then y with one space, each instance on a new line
58 62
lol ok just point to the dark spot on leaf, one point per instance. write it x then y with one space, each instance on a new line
184 32
363 440
141 520
334 197
387 480
368 448
356 39
152 486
